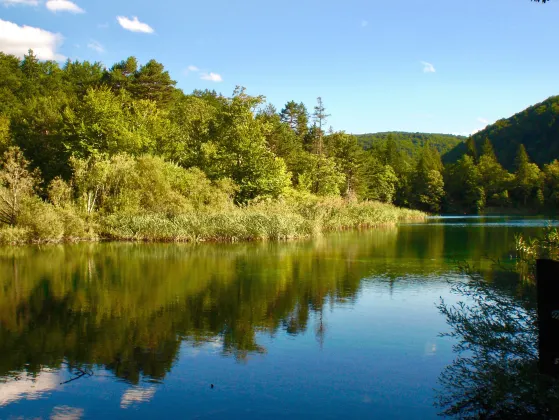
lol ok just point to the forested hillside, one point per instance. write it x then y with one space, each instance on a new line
537 128
411 143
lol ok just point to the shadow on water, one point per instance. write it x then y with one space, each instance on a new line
495 374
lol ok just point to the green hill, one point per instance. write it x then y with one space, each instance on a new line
411 142
537 127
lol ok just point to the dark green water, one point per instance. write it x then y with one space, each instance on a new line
343 326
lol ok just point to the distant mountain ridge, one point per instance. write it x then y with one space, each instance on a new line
537 127
411 142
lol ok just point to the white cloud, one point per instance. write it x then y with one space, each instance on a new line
483 120
134 25
193 68
136 395
212 77
428 67
96 46
63 6
22 2
64 412
103 25
364 23
24 387
17 40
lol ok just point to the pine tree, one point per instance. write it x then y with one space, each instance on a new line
153 82
320 117
296 116
487 149
471 148
528 176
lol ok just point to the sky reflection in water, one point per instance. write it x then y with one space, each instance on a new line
341 326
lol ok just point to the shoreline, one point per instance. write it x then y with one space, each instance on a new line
209 240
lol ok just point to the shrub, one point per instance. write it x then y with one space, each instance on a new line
13 235
42 221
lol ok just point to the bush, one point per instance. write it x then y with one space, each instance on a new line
75 228
42 221
13 235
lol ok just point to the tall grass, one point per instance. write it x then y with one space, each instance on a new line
273 220
283 219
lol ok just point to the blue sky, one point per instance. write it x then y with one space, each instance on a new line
411 65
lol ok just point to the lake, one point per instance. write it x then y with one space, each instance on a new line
341 326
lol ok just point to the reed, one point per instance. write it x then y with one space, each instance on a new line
271 220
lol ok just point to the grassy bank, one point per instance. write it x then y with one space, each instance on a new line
268 220
274 220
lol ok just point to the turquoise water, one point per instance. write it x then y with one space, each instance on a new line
341 326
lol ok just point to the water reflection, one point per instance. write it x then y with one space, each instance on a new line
27 387
495 375
128 307
138 312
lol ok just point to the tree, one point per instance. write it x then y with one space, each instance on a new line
11 81
239 150
403 166
380 181
494 179
320 117
107 123
432 191
39 130
464 185
152 82
17 183
81 76
121 75
296 116
193 121
31 70
428 181
528 180
488 150
321 176
5 134
90 179
348 156
551 179
471 148
282 140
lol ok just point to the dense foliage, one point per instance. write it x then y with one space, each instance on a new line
119 152
412 143
122 153
537 128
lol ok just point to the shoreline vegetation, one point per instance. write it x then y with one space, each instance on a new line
123 198
89 152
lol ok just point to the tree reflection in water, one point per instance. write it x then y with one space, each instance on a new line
495 375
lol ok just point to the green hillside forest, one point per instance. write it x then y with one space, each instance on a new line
537 128
411 143
120 153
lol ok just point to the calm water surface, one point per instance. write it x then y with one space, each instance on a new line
343 326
